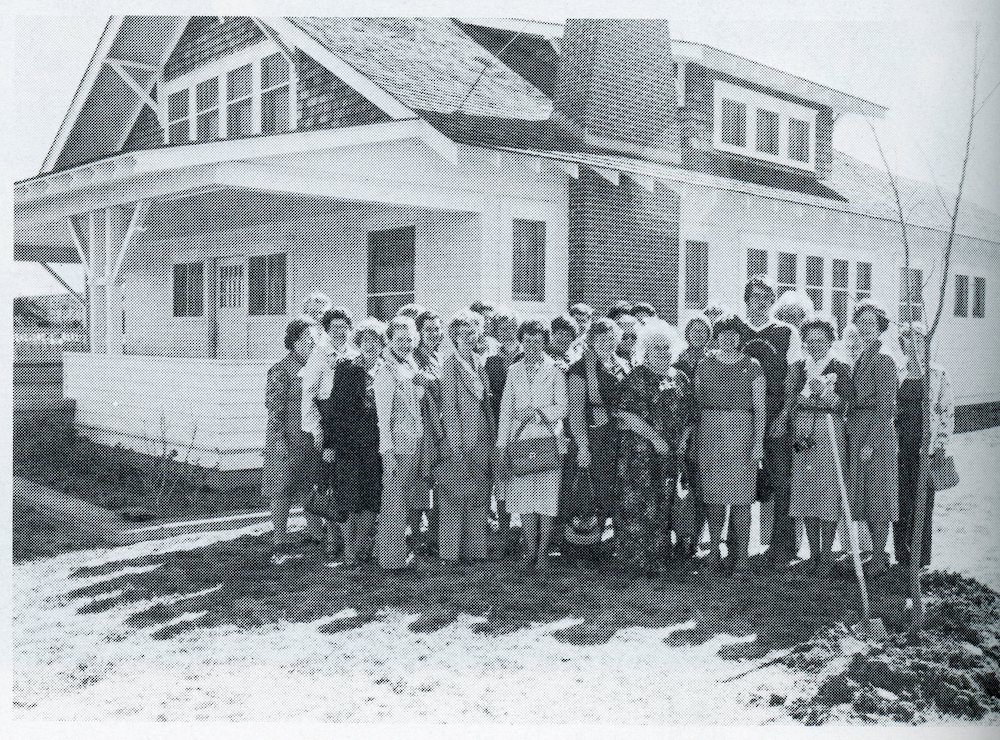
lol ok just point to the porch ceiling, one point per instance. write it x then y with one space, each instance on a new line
229 170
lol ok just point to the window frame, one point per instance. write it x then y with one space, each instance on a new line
220 69
754 102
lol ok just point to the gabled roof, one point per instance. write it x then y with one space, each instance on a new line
429 64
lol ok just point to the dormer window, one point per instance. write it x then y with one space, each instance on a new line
764 127
243 94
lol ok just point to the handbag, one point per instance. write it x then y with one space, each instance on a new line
535 454
942 474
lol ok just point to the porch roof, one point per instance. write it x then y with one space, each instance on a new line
42 203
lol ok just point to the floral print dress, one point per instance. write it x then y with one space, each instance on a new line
648 479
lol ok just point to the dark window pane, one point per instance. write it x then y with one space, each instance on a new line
767 132
787 267
962 295
814 271
734 123
180 132
979 298
840 273
239 120
208 125
391 260
864 277
266 278
207 93
816 294
528 253
189 289
273 70
696 281
840 308
756 262
911 290
177 105
798 140
238 82
195 294
180 290
274 113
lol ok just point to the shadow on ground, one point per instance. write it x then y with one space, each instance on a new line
782 609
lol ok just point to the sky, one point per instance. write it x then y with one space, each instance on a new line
913 56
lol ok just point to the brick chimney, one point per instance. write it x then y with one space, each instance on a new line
615 91
615 86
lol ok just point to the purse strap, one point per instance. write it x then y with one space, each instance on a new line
524 424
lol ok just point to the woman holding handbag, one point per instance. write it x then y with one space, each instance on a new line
530 440
909 425
462 475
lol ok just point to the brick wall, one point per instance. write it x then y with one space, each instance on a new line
206 39
613 80
623 243
325 101
696 120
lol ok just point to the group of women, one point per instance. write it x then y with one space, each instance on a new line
586 423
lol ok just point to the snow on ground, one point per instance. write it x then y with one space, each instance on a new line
92 667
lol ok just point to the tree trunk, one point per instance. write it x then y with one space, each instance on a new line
920 496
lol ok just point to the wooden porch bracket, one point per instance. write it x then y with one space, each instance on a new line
63 283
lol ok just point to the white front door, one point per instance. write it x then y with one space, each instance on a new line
231 320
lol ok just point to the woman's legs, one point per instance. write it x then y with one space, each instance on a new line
880 536
530 526
827 531
349 533
544 537
716 519
740 528
812 534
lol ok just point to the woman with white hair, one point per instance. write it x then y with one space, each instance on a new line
655 412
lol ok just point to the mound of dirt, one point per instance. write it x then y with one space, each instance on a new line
950 669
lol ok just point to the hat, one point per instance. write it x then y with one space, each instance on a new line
583 530
762 281
867 305
731 322
645 308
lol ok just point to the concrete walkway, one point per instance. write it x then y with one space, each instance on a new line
100 527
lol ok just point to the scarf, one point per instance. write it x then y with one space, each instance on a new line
815 368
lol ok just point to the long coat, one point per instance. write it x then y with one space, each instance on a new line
469 433
537 493
871 423
286 446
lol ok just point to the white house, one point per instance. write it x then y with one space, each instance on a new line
212 171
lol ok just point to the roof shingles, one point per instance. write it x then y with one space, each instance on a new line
429 64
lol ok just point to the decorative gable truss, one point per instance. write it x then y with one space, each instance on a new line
133 94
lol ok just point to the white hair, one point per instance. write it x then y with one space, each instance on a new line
797 299
657 333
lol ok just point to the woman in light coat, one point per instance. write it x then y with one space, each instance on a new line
462 475
397 401
534 397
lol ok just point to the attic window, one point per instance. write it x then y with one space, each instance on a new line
242 94
779 131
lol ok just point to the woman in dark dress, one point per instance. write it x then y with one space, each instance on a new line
731 397
871 428
592 388
351 436
655 414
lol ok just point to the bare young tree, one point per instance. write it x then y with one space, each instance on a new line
913 292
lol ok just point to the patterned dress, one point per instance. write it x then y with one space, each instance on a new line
648 479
